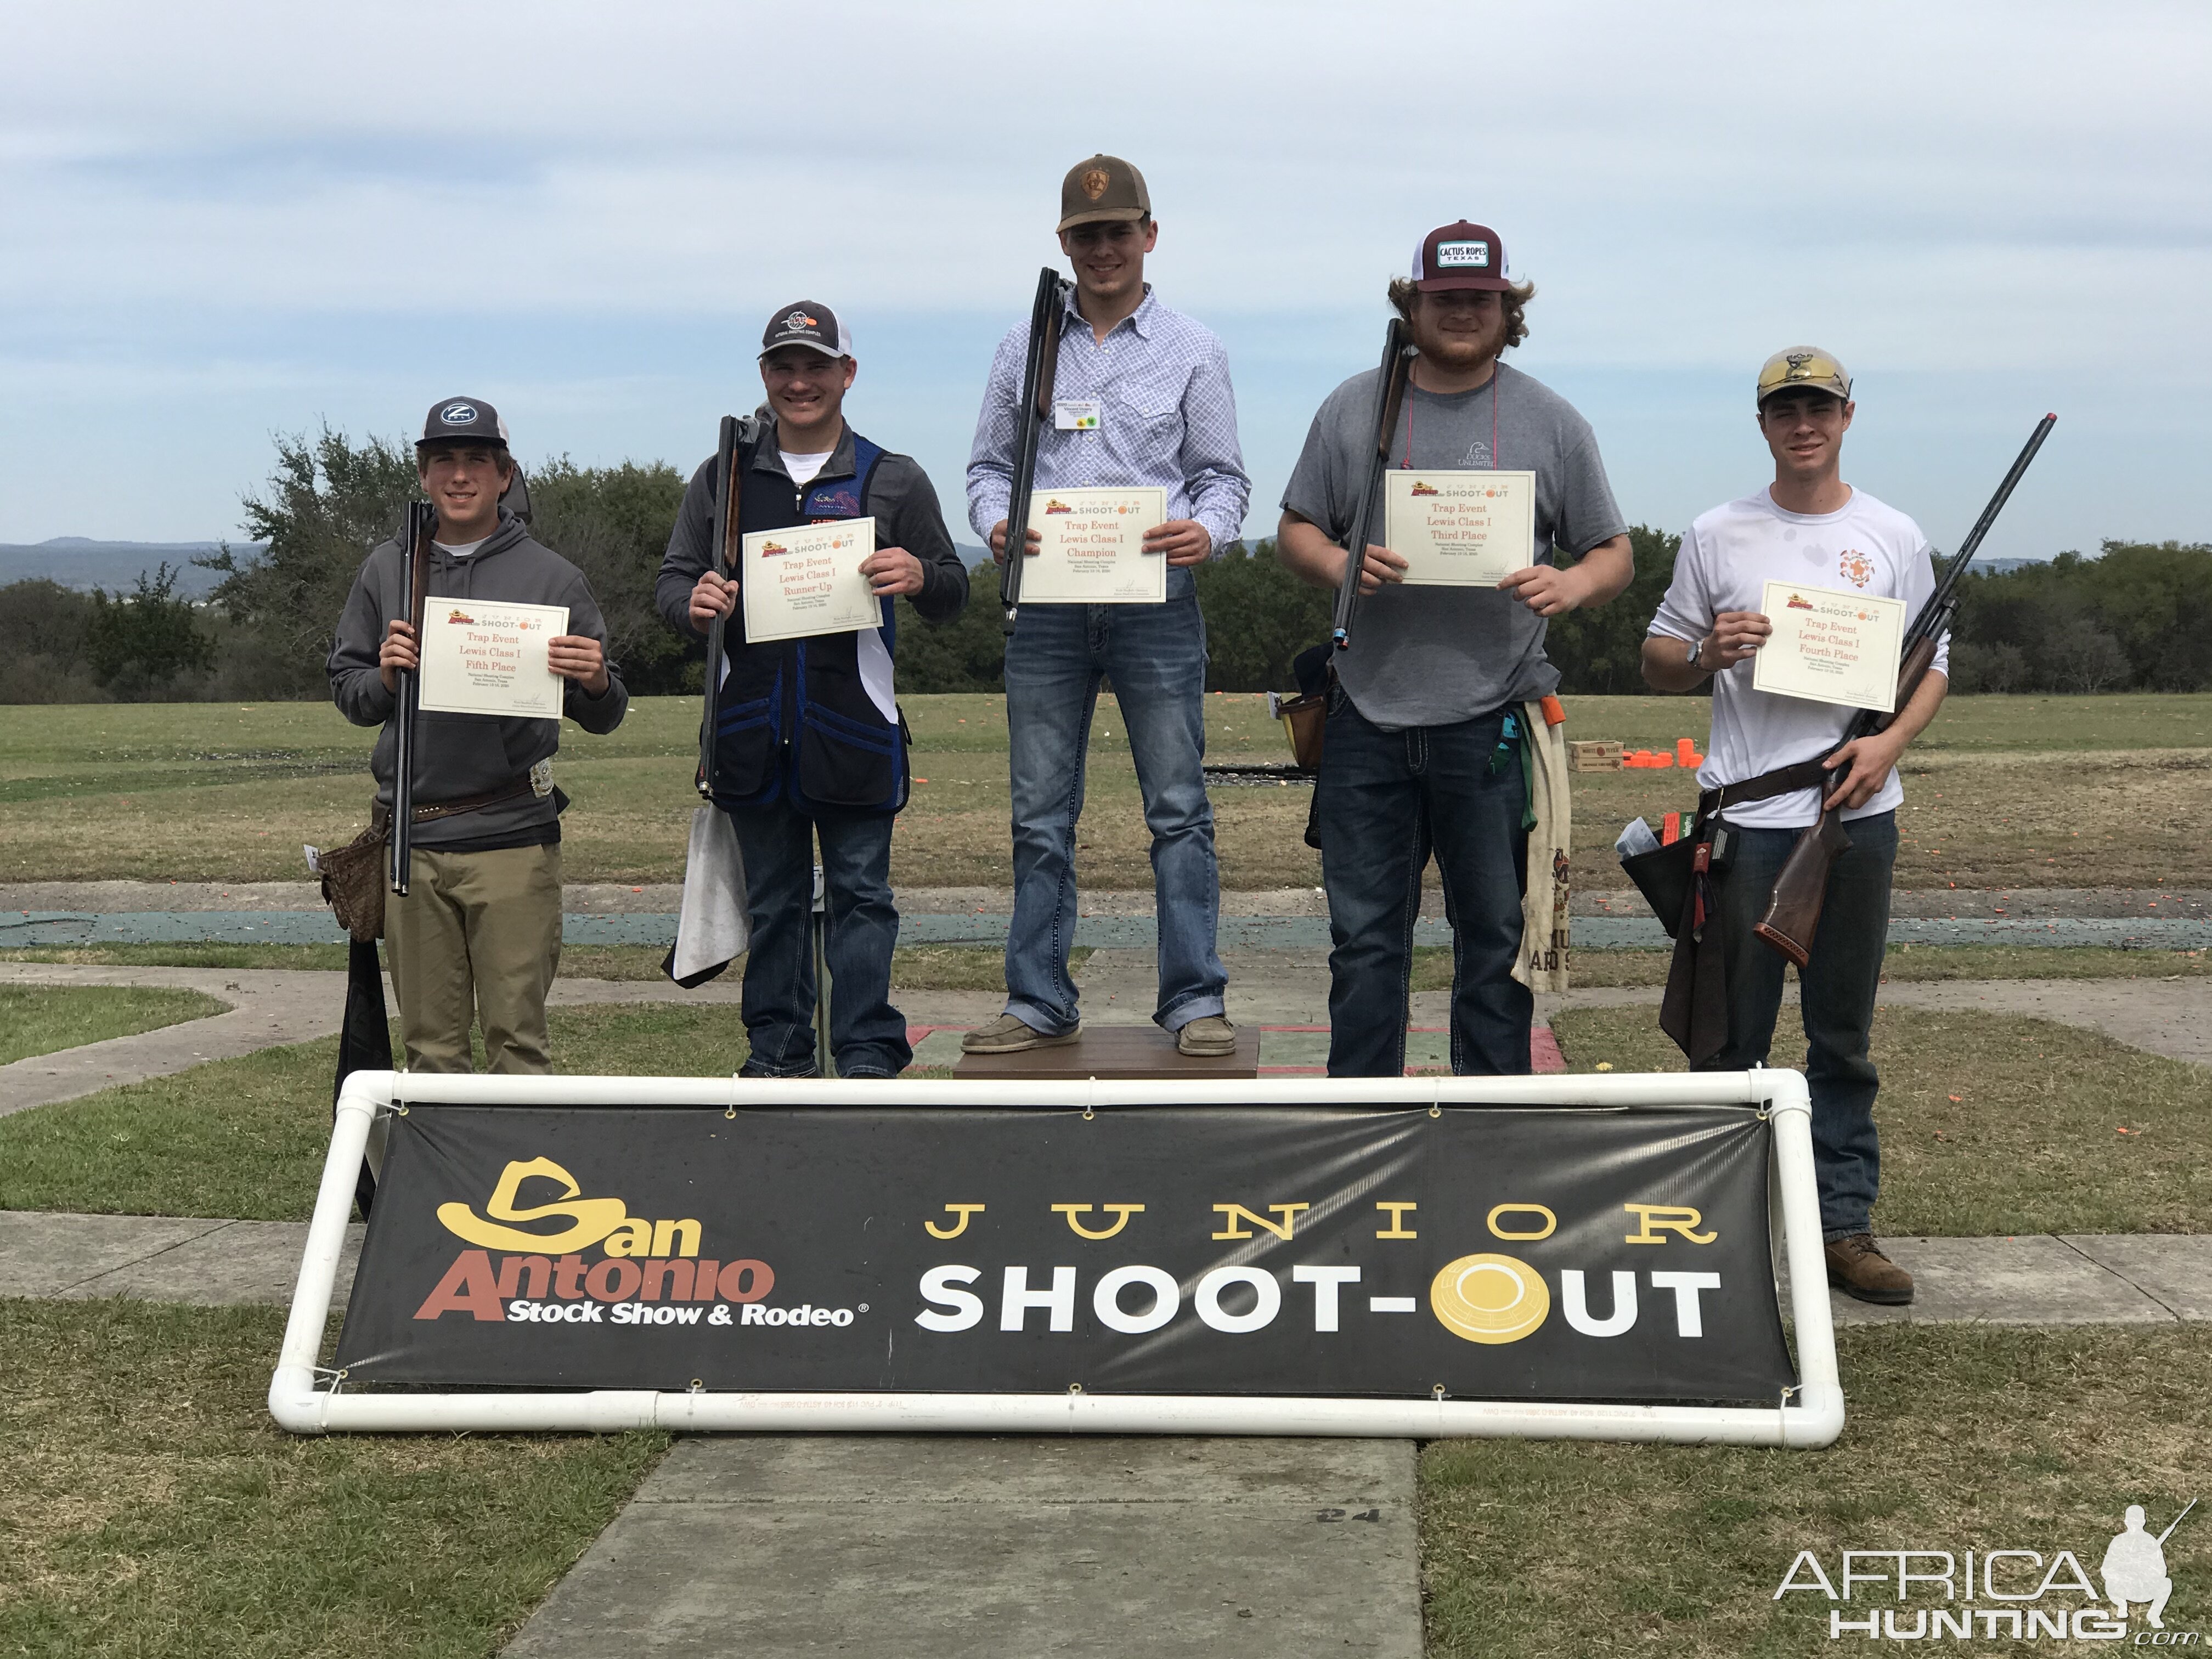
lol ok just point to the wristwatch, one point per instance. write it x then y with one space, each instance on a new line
1696 646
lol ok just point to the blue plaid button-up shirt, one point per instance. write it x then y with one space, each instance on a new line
1168 417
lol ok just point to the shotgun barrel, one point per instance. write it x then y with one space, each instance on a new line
725 539
1389 395
1793 911
416 533
1038 367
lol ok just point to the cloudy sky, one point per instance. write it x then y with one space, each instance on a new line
231 220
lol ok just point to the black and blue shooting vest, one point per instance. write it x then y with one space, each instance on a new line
793 722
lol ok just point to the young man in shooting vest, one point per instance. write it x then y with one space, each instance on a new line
809 744
1810 526
1141 396
1422 754
479 933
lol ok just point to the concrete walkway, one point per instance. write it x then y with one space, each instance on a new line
1281 988
975 1547
2113 1279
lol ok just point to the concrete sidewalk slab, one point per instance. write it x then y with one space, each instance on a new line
45 1253
2032 1280
973 1547
2174 1271
210 1262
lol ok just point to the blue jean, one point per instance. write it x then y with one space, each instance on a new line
867 1034
1155 655
1386 802
1836 993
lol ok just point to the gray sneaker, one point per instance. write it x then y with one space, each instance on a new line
1209 1037
1009 1036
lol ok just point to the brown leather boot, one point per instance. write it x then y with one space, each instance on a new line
1857 1267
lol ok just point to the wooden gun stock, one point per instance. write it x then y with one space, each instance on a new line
1793 913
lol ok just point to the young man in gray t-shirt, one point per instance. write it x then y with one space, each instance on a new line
1421 756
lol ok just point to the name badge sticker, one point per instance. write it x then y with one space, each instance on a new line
1075 414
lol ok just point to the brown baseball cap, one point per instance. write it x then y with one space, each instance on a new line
1104 189
1459 256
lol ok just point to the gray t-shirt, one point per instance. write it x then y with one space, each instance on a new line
1434 656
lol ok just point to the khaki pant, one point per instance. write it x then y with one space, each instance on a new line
478 935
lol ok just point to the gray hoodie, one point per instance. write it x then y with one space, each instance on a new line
457 756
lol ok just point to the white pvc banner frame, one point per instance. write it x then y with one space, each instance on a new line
1811 1416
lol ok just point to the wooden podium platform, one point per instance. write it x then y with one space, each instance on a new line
1122 1052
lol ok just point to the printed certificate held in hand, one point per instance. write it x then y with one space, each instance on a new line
483 657
1831 647
1460 529
807 581
1093 550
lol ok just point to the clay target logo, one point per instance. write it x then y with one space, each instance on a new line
1855 567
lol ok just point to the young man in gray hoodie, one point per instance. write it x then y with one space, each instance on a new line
479 931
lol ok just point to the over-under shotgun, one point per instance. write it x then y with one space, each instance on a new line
1046 314
1793 913
1389 395
421 524
723 542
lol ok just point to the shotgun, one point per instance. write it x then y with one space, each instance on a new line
726 539
1046 313
1389 395
1793 911
420 526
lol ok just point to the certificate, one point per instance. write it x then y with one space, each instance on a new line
1094 548
1460 529
807 581
1831 647
483 657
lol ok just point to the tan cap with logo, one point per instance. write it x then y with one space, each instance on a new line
1803 368
1103 189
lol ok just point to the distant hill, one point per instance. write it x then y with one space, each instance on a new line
80 562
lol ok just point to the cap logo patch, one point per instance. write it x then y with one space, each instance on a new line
1462 255
1800 365
1095 182
798 323
457 414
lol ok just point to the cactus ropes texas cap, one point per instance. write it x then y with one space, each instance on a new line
1459 256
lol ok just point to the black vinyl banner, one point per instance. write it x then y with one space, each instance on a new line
1502 1253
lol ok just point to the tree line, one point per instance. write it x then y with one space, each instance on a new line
2134 617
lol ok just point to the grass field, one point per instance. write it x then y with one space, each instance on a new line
1959 1439
2002 791
38 1019
151 1509
1993 1123
152 1512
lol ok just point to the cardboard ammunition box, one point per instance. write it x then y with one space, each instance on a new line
1593 756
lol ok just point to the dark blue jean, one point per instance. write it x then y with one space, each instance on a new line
1156 655
1387 801
867 1034
1836 993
